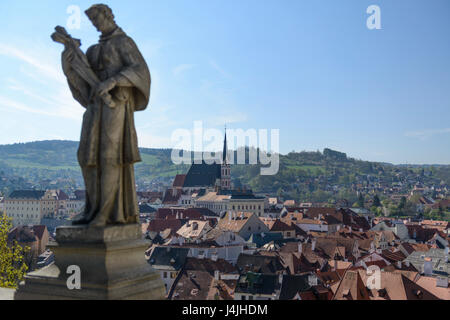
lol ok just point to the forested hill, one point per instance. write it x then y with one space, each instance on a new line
306 175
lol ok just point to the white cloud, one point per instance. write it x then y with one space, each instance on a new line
55 101
44 68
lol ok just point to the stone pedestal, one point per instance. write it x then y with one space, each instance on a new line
111 261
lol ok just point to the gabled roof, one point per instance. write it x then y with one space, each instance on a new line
171 197
352 287
202 175
210 266
168 258
278 225
257 283
396 286
420 233
411 247
393 257
159 225
80 195
146 208
193 229
260 239
178 182
22 234
236 223
328 246
293 285
258 264
27 194
39 231
196 281
180 213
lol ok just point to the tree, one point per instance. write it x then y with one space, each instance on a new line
12 257
402 204
376 201
360 201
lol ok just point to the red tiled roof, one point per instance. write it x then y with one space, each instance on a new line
39 231
159 225
178 182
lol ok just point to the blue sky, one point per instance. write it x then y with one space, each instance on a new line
309 68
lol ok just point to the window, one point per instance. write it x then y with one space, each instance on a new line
243 298
165 275
250 297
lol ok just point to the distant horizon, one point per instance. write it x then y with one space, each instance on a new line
281 153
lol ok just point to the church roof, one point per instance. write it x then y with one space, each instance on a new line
202 175
179 180
27 194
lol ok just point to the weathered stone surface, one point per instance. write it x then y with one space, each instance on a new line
111 81
84 234
111 268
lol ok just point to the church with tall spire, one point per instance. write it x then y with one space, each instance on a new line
225 179
208 176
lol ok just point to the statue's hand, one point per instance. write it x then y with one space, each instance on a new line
105 87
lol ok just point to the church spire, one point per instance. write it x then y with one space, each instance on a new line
225 179
225 148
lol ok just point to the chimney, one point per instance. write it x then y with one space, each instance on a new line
217 275
446 254
214 257
300 247
399 264
350 228
313 244
335 265
407 263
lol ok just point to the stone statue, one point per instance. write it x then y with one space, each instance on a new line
111 81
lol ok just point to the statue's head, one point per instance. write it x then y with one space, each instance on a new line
101 17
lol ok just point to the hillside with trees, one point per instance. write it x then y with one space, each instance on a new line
307 176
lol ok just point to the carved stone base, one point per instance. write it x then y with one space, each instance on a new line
111 261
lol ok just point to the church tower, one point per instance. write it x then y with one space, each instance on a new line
225 179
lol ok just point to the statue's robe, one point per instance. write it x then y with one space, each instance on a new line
108 145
